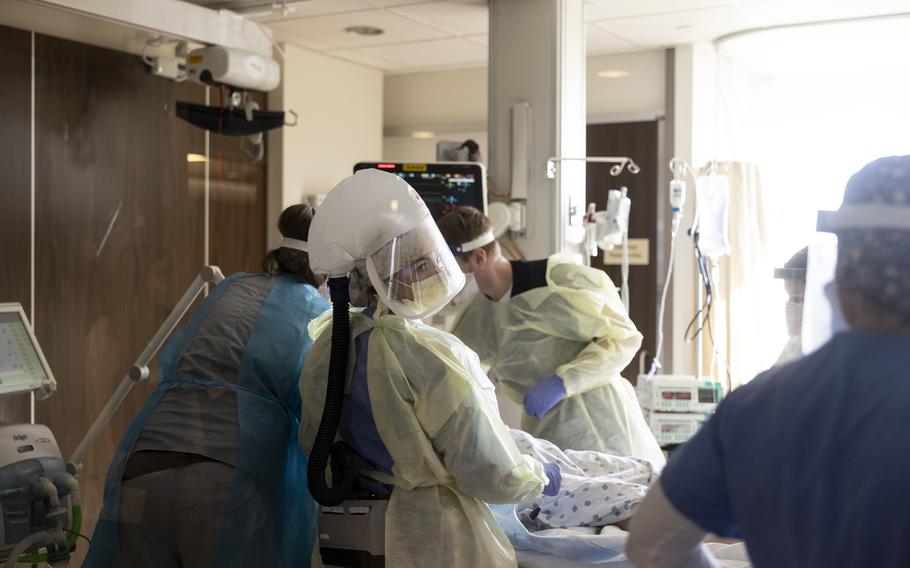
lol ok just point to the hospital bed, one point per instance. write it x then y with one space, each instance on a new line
528 559
727 555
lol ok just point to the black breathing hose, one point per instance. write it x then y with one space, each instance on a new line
324 446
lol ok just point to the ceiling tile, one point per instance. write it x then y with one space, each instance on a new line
458 18
365 57
282 36
330 29
681 27
427 54
596 10
311 8
393 3
599 42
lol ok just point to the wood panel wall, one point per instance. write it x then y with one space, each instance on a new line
638 140
238 204
15 185
119 223
119 233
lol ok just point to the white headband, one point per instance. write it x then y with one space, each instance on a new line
864 217
481 241
295 244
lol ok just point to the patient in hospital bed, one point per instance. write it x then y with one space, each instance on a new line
597 489
585 525
581 524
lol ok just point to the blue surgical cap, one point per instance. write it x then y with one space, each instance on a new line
876 262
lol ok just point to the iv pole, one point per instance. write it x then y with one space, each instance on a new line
140 370
620 163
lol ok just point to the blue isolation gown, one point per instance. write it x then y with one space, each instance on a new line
245 345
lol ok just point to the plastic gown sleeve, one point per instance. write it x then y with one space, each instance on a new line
598 363
593 308
479 453
456 405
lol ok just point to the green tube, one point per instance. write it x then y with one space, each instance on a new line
70 540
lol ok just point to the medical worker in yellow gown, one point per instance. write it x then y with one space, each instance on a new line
556 336
419 412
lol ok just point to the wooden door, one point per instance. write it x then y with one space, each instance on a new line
640 141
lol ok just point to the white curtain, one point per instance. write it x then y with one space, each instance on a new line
742 279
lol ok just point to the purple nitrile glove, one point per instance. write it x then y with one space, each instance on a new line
554 474
544 396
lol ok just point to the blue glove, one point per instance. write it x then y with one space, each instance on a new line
554 474
544 396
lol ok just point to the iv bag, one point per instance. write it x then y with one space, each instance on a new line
607 229
712 201
613 223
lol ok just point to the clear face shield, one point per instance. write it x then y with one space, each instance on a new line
795 285
822 315
415 275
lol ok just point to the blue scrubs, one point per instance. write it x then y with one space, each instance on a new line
244 347
810 462
358 426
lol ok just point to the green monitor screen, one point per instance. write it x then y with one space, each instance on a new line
22 366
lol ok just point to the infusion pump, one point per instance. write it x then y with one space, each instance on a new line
675 406
678 393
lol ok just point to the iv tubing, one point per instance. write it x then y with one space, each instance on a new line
655 363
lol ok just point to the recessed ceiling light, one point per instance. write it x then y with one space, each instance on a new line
422 134
684 27
195 158
368 31
613 73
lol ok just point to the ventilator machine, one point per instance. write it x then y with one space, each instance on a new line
40 504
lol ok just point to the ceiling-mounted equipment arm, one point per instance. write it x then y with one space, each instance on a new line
140 370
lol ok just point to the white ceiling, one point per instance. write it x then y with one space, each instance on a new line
422 35
832 50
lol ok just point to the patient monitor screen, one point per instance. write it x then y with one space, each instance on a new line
442 186
19 361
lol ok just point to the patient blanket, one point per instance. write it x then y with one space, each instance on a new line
597 489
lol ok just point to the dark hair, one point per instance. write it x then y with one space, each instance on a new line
473 150
799 260
465 224
795 268
294 223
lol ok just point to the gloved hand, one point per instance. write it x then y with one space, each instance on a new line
554 474
544 396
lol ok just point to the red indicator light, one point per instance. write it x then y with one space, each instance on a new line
386 166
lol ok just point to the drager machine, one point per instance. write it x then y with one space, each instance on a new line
40 506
